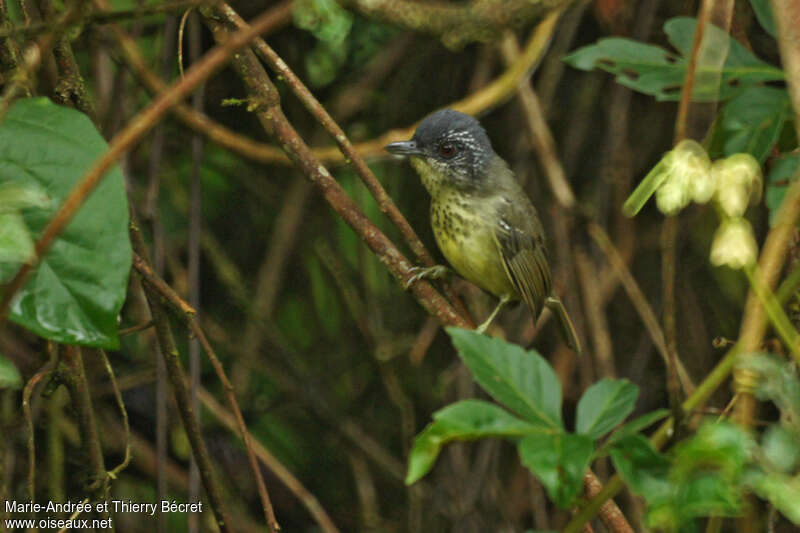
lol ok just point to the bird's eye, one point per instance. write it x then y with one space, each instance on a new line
447 150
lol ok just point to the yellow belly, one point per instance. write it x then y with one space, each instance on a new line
468 244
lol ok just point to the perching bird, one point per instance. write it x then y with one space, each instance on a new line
484 223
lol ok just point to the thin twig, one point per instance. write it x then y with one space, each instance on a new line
27 392
114 472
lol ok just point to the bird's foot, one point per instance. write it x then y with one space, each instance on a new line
434 272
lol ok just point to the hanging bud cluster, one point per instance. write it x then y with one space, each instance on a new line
686 174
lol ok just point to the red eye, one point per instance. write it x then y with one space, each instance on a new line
447 150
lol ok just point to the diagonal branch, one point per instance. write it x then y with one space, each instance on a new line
457 23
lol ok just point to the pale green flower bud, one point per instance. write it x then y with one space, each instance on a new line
688 170
734 244
673 195
692 160
739 182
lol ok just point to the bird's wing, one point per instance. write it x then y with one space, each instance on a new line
520 239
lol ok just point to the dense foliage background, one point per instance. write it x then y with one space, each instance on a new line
335 366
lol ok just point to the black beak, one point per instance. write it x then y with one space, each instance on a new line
405 148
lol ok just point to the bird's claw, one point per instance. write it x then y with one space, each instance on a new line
434 272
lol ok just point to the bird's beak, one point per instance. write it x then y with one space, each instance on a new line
405 148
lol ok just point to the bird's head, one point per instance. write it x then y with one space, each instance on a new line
449 149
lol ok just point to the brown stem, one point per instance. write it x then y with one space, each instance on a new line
26 409
610 514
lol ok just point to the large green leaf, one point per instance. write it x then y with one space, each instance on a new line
652 70
465 420
522 381
604 405
75 294
753 119
559 461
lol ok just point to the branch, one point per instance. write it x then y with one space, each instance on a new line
457 24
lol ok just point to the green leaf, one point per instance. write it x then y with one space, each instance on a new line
784 171
465 420
642 67
642 467
74 296
10 377
763 13
652 70
752 121
559 461
522 381
604 405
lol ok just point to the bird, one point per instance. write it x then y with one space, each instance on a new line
483 221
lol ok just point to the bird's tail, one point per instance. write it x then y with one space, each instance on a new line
564 322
